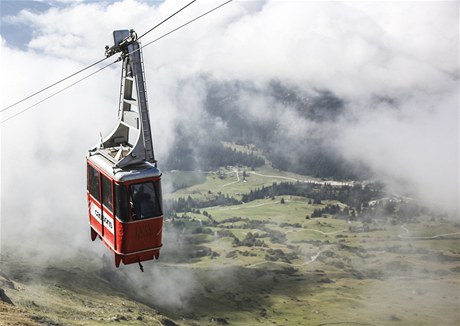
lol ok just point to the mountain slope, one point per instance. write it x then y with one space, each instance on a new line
66 292
295 129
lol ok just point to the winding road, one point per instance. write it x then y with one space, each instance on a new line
330 182
407 236
237 179
312 259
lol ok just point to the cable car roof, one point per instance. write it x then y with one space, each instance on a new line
130 173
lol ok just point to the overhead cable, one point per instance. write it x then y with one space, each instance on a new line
187 23
106 66
60 91
54 84
92 65
166 19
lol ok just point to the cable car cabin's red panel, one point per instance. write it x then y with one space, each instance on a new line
139 241
135 233
138 236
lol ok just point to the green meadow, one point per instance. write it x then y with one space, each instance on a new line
262 262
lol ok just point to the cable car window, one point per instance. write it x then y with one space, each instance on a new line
93 183
145 200
121 202
107 193
157 186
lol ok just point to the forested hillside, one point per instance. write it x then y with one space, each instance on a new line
230 116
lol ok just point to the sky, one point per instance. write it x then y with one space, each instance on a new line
394 64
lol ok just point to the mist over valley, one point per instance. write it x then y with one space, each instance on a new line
310 159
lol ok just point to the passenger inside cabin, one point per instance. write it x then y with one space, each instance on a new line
139 201
144 201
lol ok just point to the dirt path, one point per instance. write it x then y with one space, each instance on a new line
329 182
323 233
243 205
237 179
312 259
407 236
273 176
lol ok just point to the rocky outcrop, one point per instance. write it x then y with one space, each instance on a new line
4 297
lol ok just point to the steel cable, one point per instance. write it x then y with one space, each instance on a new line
60 91
92 65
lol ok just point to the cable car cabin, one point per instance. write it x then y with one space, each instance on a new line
124 189
125 209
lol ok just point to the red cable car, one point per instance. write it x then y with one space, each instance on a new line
124 182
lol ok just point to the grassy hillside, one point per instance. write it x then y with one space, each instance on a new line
262 262
376 269
67 292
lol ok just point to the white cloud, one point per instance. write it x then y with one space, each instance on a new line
417 144
361 51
